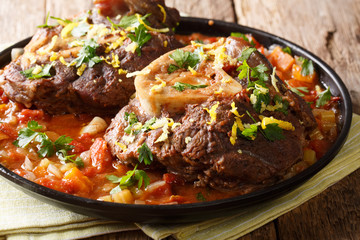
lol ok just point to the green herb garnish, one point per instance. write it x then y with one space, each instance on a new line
87 54
179 86
307 66
243 36
324 97
200 197
129 179
45 25
245 54
140 38
46 148
145 154
183 60
287 50
63 156
273 132
44 72
80 30
250 132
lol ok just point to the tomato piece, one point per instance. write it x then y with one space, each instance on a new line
100 155
172 178
110 8
28 114
82 143
8 130
320 147
51 183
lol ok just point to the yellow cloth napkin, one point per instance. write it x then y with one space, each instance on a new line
23 217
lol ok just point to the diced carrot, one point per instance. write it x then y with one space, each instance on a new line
100 155
281 60
296 73
78 181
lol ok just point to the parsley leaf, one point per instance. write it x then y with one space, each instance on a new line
183 60
148 123
43 72
200 197
182 86
298 90
141 37
273 132
80 30
128 21
324 97
45 25
285 104
61 21
129 179
63 156
251 132
87 54
245 54
287 50
307 66
132 119
145 154
46 148
243 36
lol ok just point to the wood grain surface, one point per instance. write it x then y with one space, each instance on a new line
329 29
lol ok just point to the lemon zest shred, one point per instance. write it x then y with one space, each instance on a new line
54 56
37 69
158 87
192 71
165 43
163 12
150 28
212 112
81 69
122 71
233 136
122 146
65 32
282 124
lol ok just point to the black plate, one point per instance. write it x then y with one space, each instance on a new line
206 210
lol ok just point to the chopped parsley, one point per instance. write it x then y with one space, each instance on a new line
200 197
46 148
128 21
38 71
243 36
132 119
245 54
285 104
64 157
183 60
148 123
298 90
273 132
324 97
87 54
145 154
80 30
307 66
140 38
250 132
45 25
179 86
129 179
287 50
63 21
257 72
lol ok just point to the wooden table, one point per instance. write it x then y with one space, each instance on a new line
330 29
